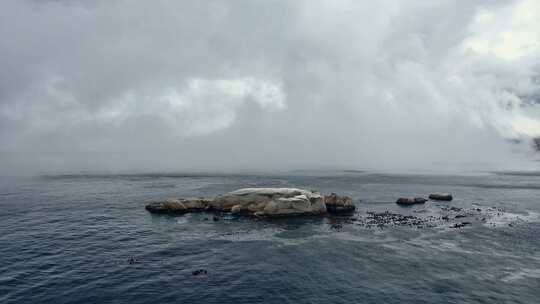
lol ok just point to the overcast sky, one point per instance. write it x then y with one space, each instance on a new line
121 86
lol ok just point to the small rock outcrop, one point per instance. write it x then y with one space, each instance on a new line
199 272
169 206
441 197
338 204
406 201
178 206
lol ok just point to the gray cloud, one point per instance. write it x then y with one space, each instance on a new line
267 85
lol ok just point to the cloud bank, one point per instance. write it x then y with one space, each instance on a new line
121 85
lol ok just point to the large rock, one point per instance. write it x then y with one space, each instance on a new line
338 204
270 202
441 197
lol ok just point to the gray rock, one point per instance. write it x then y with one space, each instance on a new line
420 200
441 197
266 202
271 202
169 206
173 206
410 200
338 204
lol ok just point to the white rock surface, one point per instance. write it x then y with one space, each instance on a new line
271 202
236 209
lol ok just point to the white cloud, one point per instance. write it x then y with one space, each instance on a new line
204 106
273 84
510 33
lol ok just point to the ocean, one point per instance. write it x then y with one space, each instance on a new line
88 239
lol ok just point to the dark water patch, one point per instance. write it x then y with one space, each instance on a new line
158 186
518 173
139 176
354 171
505 186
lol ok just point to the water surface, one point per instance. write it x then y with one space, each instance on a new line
69 239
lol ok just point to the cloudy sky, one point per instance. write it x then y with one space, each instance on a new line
119 86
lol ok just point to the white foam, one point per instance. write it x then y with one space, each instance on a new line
522 274
502 219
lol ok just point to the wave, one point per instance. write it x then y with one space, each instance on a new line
131 176
517 173
503 186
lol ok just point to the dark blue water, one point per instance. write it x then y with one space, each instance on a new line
68 239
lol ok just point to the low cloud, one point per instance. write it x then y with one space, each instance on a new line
273 85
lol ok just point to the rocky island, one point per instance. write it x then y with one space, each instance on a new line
260 202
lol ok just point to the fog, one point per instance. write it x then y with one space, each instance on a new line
228 86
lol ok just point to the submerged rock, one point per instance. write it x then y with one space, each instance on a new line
460 225
338 204
199 272
410 200
441 197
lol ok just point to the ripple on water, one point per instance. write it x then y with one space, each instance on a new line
70 239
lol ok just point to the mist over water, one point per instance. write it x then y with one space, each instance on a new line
112 86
